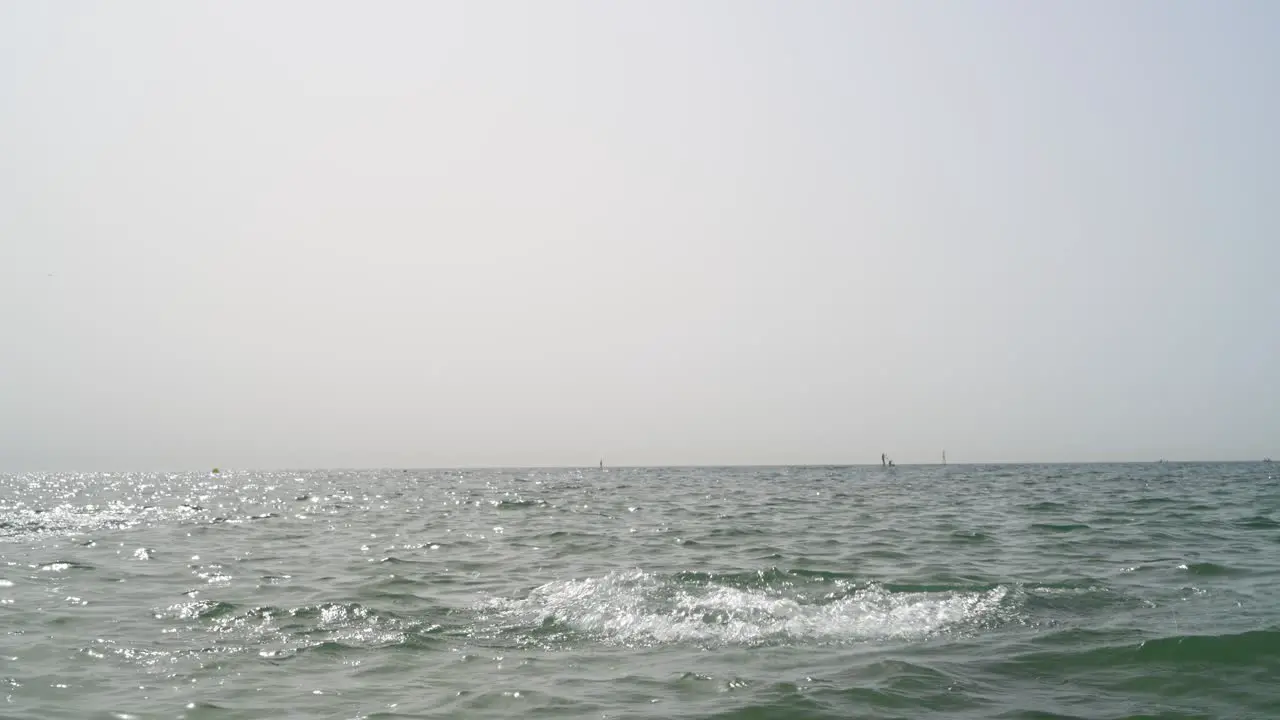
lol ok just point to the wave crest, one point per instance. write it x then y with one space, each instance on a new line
640 608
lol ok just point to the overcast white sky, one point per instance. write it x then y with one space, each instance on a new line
316 234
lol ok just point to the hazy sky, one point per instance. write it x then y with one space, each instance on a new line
317 234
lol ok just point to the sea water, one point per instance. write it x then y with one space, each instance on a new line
1030 591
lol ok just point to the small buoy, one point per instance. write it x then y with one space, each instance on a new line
215 471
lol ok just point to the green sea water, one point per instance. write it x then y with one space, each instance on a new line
1033 591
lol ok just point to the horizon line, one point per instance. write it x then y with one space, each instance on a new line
1163 461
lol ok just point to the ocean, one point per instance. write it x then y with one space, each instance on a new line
960 591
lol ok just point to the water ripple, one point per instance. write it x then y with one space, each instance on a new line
958 592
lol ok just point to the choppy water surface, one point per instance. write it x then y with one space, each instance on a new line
1087 591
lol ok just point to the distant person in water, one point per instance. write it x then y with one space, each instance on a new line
883 461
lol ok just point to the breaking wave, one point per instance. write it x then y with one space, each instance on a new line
641 608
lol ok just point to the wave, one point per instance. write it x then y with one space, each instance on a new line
1254 648
1046 506
285 632
519 504
749 609
767 578
1247 648
970 536
1152 502
1258 522
1059 527
1208 569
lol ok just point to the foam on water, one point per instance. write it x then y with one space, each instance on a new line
636 607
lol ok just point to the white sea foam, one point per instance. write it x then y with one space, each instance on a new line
636 607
